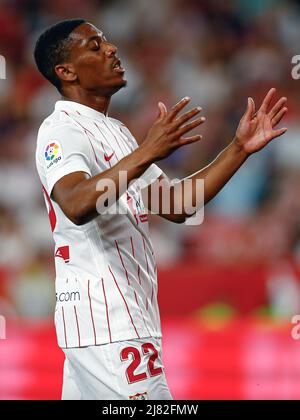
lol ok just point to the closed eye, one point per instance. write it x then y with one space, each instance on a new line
95 41
95 45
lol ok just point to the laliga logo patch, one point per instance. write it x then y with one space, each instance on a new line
53 154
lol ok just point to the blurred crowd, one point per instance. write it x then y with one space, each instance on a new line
219 53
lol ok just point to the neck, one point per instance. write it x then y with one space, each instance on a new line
99 103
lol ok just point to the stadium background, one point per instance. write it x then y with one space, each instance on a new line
228 288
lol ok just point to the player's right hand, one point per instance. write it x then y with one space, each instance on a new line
168 132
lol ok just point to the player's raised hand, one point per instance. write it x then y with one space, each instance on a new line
257 129
168 132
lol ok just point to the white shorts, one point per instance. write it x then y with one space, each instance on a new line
117 371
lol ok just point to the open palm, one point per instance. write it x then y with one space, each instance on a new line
256 130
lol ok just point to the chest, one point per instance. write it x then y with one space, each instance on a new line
109 142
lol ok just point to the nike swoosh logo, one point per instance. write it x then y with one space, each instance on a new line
108 158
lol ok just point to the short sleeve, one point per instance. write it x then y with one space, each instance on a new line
62 150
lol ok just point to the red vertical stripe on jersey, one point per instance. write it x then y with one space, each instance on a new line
127 141
64 322
136 299
152 294
96 158
77 323
51 213
138 265
124 303
126 273
107 315
146 258
104 151
147 265
87 132
91 309
116 138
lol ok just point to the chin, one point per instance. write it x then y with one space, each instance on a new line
112 89
119 86
123 83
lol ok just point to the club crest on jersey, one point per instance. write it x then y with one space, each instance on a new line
142 396
53 153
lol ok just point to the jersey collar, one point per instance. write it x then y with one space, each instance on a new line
79 109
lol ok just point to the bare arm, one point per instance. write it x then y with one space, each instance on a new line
255 131
77 193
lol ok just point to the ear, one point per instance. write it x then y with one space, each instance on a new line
65 72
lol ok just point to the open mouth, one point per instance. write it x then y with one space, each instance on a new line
117 67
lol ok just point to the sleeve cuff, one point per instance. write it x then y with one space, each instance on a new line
63 171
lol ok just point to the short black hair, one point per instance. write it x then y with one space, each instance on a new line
51 48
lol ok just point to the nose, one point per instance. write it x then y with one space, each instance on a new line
111 49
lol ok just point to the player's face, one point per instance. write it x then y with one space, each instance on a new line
94 61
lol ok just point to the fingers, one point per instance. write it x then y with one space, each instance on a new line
278 117
267 101
250 110
186 117
279 133
177 108
277 107
189 127
162 111
189 140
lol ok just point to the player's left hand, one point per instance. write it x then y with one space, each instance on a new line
257 129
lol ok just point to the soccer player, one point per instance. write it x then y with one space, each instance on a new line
107 318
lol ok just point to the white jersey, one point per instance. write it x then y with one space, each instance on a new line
106 277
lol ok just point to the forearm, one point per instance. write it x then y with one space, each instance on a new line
215 177
220 171
255 131
82 202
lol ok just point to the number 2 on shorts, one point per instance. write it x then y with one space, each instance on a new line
132 377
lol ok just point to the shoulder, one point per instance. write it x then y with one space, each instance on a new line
116 122
60 137
58 126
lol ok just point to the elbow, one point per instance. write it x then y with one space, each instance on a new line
182 218
78 217
76 205
178 219
78 221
